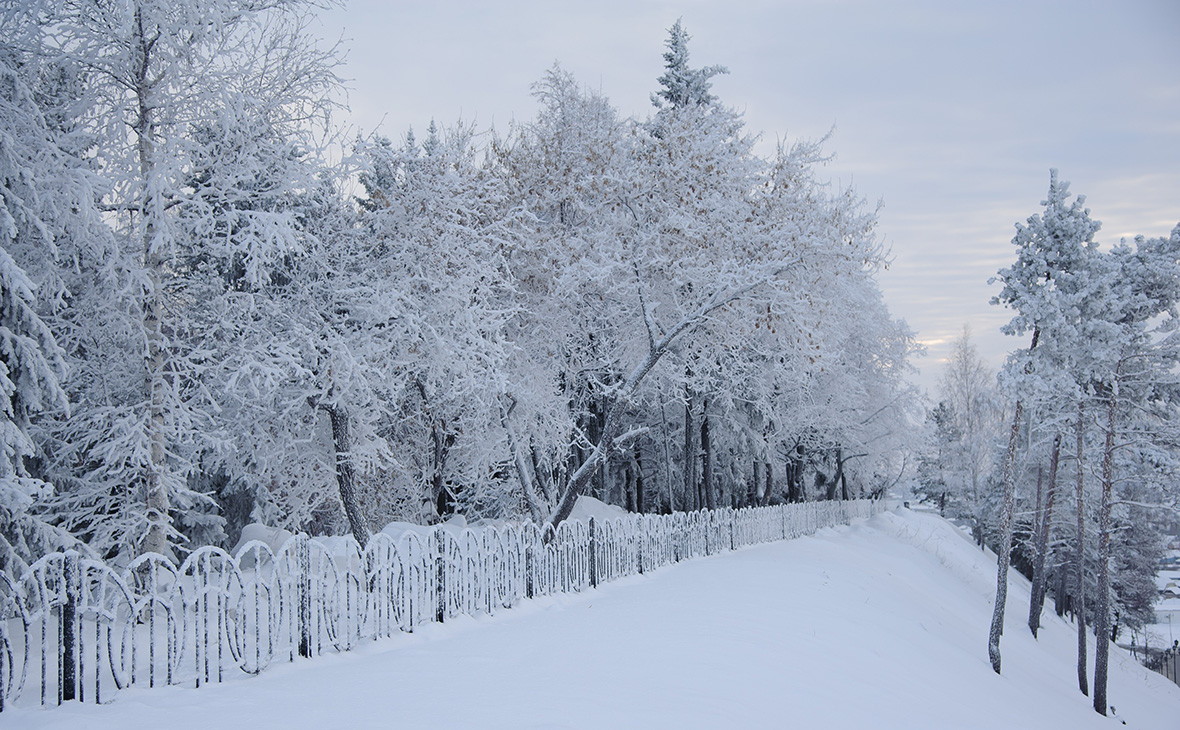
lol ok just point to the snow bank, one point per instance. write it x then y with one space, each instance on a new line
587 507
273 537
395 530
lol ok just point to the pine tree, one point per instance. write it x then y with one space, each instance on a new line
1133 353
682 86
46 218
1046 288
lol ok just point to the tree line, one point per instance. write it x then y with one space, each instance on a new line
1092 400
205 321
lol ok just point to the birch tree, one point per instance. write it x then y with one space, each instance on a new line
170 83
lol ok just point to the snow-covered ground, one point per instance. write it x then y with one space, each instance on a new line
879 625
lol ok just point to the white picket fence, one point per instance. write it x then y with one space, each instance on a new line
74 628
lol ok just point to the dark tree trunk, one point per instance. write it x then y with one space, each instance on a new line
442 442
1060 597
629 487
595 431
1044 525
690 466
706 460
1102 623
769 484
345 477
1004 549
541 477
640 505
755 484
1038 509
1078 604
794 476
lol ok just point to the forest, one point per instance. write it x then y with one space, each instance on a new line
217 312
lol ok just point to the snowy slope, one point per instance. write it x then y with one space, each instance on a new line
878 625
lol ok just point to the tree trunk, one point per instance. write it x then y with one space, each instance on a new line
541 479
842 476
1102 630
579 479
442 443
524 472
629 486
1079 604
157 381
667 442
1004 549
690 467
795 489
639 495
345 478
1044 525
706 460
1038 510
594 430
1060 595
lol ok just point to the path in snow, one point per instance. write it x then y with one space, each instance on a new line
882 625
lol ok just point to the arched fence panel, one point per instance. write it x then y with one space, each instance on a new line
74 628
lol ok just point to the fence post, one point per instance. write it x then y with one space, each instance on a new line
528 571
72 583
440 558
640 539
676 537
593 554
303 554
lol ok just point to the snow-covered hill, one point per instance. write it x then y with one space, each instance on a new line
879 625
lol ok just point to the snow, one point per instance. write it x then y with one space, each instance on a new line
882 624
273 537
587 507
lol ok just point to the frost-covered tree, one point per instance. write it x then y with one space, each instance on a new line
966 428
430 210
175 92
1045 287
645 310
1133 354
691 292
682 86
562 179
47 220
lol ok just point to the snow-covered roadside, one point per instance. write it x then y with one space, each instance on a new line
882 624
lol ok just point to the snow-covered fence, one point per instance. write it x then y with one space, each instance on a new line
74 628
1167 662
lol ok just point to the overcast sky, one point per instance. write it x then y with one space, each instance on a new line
949 113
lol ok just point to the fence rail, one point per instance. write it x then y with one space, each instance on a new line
74 628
